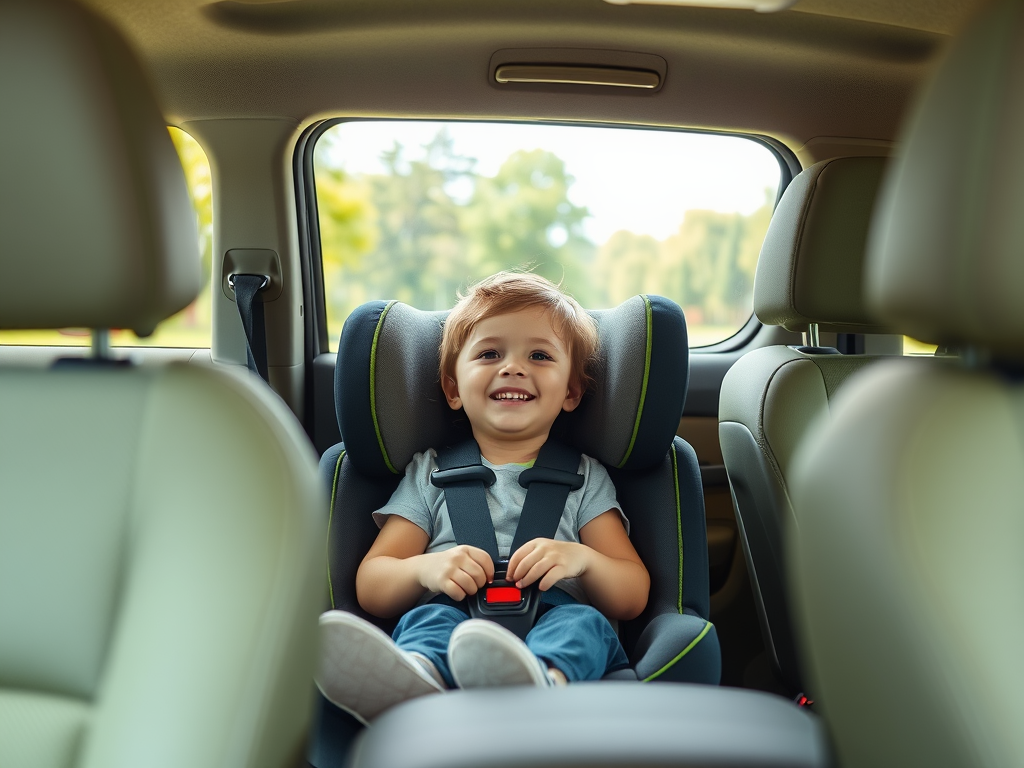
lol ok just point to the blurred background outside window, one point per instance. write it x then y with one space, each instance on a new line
416 211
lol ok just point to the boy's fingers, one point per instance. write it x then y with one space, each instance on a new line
465 582
476 572
454 591
530 561
482 559
535 572
515 563
551 578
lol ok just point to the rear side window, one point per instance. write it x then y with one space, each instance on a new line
192 326
416 211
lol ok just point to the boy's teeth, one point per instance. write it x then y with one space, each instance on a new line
511 396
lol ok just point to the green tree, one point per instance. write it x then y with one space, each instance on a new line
405 234
522 216
628 264
707 266
348 231
420 248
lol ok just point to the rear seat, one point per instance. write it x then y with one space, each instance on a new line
808 279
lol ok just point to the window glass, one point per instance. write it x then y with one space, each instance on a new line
415 211
192 326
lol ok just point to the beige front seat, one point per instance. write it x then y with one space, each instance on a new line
809 275
908 563
161 551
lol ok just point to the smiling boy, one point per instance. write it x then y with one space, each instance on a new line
515 353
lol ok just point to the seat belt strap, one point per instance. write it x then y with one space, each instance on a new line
250 310
548 484
464 480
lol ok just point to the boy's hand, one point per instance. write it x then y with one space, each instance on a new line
458 572
547 560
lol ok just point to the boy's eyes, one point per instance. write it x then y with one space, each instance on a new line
492 354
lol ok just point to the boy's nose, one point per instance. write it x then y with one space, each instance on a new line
512 368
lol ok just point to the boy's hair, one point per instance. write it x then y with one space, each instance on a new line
509 291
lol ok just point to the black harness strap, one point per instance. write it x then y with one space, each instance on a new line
463 478
548 484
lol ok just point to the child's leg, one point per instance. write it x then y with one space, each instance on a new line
578 641
426 630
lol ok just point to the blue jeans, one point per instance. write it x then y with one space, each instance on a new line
575 639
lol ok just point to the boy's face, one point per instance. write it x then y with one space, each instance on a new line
512 377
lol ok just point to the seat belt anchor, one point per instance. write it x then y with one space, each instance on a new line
231 280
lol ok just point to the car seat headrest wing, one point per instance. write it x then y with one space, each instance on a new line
97 227
812 261
946 257
390 404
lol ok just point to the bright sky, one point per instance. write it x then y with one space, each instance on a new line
640 180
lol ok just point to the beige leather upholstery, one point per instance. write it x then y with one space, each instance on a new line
811 263
947 266
161 569
161 528
770 399
908 567
809 272
96 228
907 561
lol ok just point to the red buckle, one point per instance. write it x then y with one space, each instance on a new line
502 595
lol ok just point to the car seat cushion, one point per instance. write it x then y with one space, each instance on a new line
678 647
390 404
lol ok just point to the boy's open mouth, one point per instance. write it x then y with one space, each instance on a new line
512 394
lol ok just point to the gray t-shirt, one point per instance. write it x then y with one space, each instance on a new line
421 503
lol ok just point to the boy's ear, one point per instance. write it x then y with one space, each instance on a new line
451 392
572 398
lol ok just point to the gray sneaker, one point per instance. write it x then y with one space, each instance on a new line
482 654
363 671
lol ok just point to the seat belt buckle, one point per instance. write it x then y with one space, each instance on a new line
503 602
495 596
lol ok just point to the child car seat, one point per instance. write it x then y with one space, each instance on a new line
390 405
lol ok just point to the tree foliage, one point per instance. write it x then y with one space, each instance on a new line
431 224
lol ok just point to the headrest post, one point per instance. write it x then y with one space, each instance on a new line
101 344
813 337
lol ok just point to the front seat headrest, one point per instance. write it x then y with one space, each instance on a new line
390 404
96 227
946 258
812 261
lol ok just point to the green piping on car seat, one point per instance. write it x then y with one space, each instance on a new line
679 525
330 519
643 388
686 650
373 389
